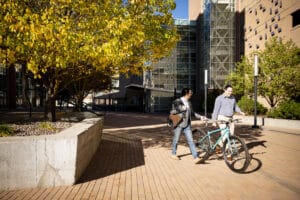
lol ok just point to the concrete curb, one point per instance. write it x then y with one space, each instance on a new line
271 122
285 125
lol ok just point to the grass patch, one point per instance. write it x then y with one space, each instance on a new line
47 126
5 130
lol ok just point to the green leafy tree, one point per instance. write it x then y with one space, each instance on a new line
78 82
47 36
279 77
279 72
242 78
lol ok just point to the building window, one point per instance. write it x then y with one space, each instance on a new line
275 26
272 33
279 30
272 19
296 18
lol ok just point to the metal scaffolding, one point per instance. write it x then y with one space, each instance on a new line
218 43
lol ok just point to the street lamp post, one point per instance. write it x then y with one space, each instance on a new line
255 90
205 93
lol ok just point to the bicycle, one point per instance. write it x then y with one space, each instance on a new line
235 151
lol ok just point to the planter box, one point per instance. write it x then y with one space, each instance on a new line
49 160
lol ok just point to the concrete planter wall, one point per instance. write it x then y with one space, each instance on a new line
49 160
271 122
282 123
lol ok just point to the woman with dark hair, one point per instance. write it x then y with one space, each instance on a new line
183 107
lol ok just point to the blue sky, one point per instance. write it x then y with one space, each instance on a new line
181 10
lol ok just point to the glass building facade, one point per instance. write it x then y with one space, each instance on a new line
217 28
13 88
208 43
176 71
179 69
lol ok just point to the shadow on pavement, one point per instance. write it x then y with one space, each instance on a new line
116 153
123 149
122 120
255 165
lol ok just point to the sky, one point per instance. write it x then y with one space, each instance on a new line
181 10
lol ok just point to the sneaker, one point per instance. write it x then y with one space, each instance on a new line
197 160
229 158
218 149
175 157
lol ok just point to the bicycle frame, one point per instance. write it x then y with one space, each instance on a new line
225 133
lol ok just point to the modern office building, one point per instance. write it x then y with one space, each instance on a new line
157 88
228 29
178 70
268 18
16 92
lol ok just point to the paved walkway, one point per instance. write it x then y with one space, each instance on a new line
133 162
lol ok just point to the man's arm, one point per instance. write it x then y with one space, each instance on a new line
237 108
217 108
198 116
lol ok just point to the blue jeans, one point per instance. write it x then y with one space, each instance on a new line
189 137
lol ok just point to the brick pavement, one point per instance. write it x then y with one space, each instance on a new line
133 162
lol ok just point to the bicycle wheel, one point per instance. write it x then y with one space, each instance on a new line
236 154
204 146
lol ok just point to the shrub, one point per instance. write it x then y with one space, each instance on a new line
286 110
247 105
5 130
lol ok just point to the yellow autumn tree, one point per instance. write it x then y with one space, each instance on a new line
48 36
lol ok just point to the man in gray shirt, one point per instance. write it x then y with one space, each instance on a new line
225 107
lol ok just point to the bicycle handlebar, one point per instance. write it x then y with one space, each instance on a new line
221 121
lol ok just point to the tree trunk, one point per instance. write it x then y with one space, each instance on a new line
25 90
46 105
52 108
